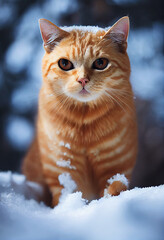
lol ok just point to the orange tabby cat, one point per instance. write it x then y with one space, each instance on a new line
86 127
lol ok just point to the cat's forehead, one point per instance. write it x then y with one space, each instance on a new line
85 39
83 32
84 43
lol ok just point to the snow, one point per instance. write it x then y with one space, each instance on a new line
68 183
61 143
119 177
67 145
88 28
17 184
57 132
64 163
137 214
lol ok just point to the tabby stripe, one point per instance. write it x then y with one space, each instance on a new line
121 167
117 77
52 168
52 181
48 165
111 172
115 161
52 174
118 65
110 149
56 189
47 161
66 158
74 162
115 154
105 142
71 154
108 136
52 157
51 160
79 172
56 197
128 172
111 153
54 184
73 52
47 71
91 52
43 150
56 192
72 151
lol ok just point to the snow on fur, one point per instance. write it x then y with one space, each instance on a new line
68 183
92 29
119 177
67 145
65 163
137 214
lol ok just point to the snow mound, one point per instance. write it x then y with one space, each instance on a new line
137 214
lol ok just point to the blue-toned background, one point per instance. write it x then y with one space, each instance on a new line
20 72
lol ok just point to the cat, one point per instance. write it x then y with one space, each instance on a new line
86 127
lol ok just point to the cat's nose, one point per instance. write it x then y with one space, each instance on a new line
83 81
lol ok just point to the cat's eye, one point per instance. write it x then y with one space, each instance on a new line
65 64
100 63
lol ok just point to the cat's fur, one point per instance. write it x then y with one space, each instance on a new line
90 136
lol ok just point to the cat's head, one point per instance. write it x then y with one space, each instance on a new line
85 63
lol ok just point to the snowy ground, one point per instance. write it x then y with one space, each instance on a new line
137 214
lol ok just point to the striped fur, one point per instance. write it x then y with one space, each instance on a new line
91 137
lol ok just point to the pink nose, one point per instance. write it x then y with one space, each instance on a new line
83 81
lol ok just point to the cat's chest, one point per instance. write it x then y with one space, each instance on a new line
75 145
92 141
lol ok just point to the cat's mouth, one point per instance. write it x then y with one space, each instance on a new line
84 92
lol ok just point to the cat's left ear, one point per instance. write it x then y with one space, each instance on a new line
118 33
51 34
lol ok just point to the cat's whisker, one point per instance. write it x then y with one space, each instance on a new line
121 91
60 103
106 102
119 97
122 104
125 104
114 100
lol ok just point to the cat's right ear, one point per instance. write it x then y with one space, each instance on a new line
51 34
118 33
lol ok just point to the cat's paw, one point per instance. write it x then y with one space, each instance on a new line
117 184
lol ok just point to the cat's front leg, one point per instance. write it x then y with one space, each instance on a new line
55 190
116 184
60 184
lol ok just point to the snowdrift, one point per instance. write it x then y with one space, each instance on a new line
137 214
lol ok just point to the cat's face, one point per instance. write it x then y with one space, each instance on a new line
86 65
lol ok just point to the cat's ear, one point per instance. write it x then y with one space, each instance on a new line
51 34
118 33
